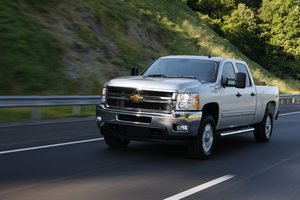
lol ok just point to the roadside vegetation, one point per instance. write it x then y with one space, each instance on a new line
29 62
135 33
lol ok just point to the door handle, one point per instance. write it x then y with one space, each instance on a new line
253 94
239 94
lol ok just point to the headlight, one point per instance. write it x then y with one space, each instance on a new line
187 102
103 97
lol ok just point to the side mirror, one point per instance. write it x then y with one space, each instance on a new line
240 80
134 71
225 82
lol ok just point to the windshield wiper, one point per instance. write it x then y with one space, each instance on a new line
193 77
157 75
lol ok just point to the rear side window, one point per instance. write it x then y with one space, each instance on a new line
242 68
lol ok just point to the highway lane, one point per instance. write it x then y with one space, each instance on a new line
16 135
289 108
149 171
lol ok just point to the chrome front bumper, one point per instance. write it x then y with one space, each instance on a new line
108 119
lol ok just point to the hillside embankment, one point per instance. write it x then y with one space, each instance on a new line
74 46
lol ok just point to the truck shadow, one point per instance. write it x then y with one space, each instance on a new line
235 142
224 146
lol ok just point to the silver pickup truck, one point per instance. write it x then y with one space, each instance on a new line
187 100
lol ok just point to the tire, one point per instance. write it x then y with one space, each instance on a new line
116 142
263 130
206 139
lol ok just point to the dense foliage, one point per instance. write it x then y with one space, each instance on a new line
267 31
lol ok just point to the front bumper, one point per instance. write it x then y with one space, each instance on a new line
148 126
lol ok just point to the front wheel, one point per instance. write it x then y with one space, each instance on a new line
116 142
206 139
263 130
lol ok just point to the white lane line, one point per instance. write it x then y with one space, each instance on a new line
292 113
51 145
200 187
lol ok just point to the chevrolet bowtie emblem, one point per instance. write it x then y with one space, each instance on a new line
136 98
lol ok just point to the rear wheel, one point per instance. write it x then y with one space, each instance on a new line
206 139
116 142
263 130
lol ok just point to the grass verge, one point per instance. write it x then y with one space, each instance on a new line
24 114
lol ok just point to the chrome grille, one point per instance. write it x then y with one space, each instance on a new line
119 98
142 105
136 91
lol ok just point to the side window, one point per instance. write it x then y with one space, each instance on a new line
242 68
228 72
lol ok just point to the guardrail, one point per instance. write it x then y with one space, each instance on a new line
36 102
289 97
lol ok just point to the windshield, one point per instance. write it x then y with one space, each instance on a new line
204 70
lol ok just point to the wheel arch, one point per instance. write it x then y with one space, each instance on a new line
271 105
213 110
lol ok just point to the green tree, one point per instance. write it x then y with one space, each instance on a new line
265 11
281 31
215 9
212 11
285 27
266 31
240 29
250 3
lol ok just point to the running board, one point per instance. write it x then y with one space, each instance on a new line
233 132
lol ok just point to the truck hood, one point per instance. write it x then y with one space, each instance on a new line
150 83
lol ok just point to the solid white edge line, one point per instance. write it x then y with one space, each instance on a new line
289 113
200 187
51 145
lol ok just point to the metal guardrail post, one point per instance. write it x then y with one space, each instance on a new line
76 109
36 113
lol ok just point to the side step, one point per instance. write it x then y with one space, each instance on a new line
233 132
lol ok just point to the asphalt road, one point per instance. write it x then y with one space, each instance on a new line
240 168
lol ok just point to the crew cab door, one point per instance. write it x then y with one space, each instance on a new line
230 113
247 97
237 106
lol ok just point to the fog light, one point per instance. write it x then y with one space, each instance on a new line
99 118
181 127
